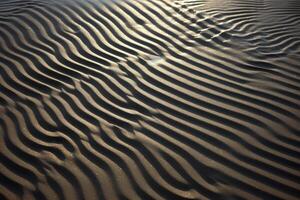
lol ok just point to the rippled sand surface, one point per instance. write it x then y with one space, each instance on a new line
149 99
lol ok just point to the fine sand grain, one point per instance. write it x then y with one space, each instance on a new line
149 99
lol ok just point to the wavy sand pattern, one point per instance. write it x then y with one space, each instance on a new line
156 99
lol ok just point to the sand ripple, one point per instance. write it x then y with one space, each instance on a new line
155 99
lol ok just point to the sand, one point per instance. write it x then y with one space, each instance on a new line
149 99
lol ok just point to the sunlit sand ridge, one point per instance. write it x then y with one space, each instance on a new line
156 99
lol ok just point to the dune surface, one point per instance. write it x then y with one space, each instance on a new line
149 99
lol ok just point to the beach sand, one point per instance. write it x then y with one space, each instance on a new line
149 99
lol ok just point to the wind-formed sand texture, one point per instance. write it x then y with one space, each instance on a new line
149 99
